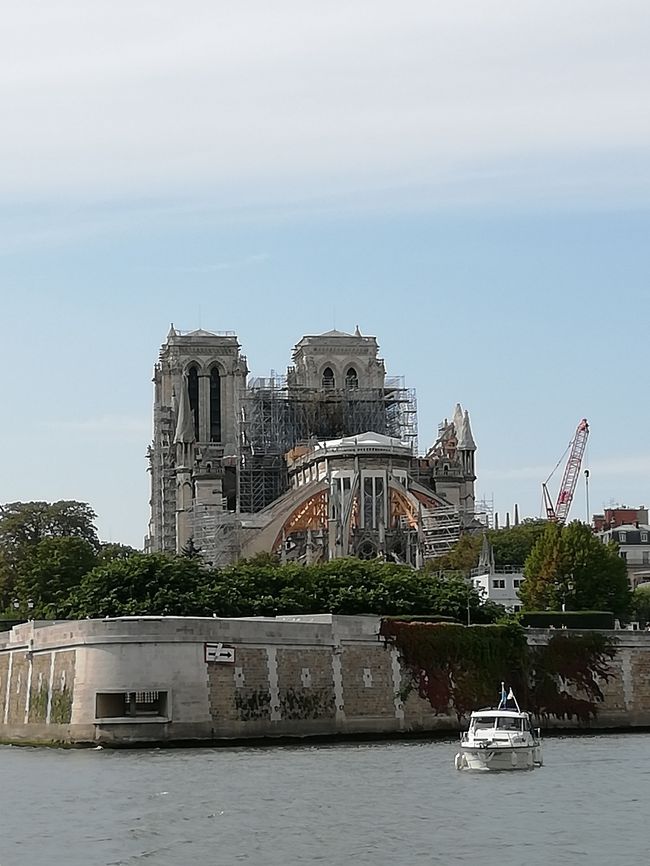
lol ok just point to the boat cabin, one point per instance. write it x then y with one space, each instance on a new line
489 723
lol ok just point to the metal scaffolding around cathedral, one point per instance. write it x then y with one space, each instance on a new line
317 464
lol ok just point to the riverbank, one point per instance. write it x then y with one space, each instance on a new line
186 681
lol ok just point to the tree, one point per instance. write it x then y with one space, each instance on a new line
180 585
512 546
108 551
24 525
143 583
641 603
570 566
54 567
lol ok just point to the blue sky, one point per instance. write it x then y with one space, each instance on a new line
470 183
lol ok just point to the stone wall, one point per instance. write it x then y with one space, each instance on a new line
147 680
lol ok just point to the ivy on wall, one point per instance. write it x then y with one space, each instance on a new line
458 669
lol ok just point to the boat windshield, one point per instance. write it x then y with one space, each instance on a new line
483 723
507 723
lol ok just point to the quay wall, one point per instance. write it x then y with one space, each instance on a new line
167 679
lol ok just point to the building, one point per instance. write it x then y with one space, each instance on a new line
619 516
633 541
319 463
500 585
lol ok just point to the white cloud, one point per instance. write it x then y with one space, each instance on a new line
296 99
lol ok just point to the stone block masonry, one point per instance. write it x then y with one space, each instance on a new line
167 679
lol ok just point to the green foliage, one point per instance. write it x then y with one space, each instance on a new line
510 546
110 551
641 603
513 546
25 527
158 584
463 556
54 567
569 565
141 583
459 668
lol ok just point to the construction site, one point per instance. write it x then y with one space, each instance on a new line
319 463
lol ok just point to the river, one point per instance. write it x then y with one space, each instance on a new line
385 804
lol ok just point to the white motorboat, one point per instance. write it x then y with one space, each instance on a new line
500 739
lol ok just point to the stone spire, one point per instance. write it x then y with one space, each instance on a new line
486 559
185 424
458 419
465 439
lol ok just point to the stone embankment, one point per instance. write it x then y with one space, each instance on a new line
166 679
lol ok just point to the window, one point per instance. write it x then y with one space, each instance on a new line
622 537
516 608
328 381
351 379
517 582
145 705
623 554
193 393
644 538
499 583
646 557
215 405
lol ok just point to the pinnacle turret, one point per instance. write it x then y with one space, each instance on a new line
465 439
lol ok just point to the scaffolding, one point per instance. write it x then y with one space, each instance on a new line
440 531
216 535
277 416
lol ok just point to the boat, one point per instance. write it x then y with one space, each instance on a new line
500 738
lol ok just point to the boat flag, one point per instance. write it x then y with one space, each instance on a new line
511 695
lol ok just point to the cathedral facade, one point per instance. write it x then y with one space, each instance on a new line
316 464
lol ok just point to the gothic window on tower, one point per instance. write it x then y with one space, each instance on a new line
215 405
351 379
193 393
328 379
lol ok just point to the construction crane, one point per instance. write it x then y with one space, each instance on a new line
559 512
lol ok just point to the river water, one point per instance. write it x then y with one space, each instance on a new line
385 804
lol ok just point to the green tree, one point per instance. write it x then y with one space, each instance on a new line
51 571
158 584
641 603
569 565
108 551
512 546
24 525
143 583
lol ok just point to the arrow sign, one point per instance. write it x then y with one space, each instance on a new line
217 652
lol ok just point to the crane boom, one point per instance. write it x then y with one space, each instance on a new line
560 512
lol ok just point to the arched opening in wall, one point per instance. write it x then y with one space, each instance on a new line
351 379
215 405
328 381
193 393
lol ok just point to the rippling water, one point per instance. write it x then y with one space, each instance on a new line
383 803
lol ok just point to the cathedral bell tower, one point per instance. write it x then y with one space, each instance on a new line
199 382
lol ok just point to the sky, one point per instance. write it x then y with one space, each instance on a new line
468 181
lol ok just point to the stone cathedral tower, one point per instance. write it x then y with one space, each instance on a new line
199 382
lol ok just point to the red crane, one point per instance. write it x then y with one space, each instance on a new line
559 512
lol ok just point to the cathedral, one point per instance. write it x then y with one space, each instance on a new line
313 465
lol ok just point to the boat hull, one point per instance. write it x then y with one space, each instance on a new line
499 758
